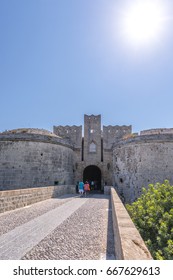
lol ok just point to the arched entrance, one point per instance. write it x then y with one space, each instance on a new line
93 174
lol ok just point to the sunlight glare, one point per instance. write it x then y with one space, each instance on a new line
143 21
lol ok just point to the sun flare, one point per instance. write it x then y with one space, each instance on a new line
143 21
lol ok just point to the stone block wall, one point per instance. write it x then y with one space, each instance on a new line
112 134
157 131
10 200
34 161
92 135
140 161
108 167
107 190
73 133
129 244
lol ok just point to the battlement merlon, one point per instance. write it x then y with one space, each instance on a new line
73 133
92 122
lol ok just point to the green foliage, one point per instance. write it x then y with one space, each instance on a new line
152 214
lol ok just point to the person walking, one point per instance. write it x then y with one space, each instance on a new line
86 188
92 185
81 188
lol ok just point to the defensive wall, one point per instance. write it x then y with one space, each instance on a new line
34 158
129 244
31 158
141 160
157 131
12 199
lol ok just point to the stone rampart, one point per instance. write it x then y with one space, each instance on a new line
34 160
140 161
35 138
10 200
129 245
157 131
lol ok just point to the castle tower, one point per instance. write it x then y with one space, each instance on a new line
92 139
92 150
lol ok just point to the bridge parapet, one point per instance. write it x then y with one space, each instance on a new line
12 199
129 244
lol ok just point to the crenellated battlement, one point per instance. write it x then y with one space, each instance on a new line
73 133
111 134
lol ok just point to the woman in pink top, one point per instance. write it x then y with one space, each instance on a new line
86 188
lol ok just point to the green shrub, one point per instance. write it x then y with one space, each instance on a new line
152 214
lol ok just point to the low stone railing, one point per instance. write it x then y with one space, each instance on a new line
129 244
12 199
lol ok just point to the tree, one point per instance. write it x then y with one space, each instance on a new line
152 214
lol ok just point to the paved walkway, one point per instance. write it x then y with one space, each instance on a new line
65 232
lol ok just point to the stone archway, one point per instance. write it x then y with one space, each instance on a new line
93 173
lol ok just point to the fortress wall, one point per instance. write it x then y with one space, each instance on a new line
107 167
112 134
77 166
157 131
140 161
30 161
74 133
10 200
129 244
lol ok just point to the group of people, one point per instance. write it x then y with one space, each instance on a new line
83 188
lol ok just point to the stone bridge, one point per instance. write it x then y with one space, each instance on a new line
54 223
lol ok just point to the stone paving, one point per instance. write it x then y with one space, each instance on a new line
11 219
70 228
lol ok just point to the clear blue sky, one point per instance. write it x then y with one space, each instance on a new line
61 59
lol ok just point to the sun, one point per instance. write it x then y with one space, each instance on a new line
143 21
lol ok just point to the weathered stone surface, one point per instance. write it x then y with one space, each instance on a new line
31 160
25 237
10 200
83 236
63 228
37 158
101 157
142 160
128 243
157 131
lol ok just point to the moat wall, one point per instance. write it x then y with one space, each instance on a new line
34 160
142 160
